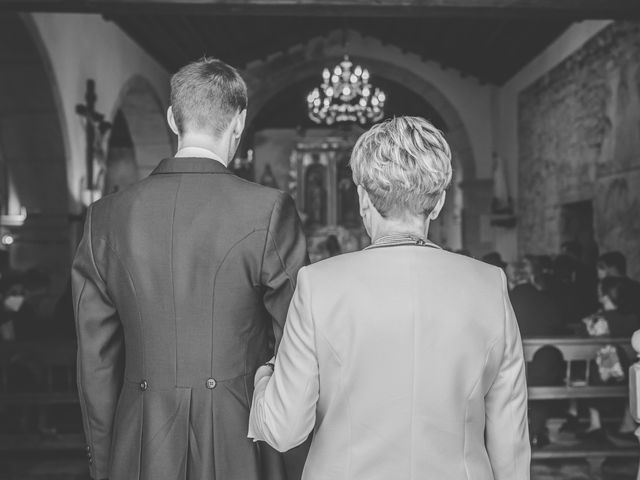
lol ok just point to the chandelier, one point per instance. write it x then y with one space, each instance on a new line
346 95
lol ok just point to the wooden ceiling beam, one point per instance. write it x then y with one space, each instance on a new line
573 9
180 32
147 33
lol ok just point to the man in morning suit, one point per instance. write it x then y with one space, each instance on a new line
181 288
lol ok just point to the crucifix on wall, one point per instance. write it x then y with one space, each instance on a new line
96 129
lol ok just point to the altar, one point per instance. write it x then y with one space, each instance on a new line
313 167
327 200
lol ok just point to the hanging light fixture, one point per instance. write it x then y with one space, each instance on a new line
346 95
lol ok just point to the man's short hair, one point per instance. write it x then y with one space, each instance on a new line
614 260
404 164
205 95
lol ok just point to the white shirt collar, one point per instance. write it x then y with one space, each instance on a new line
198 152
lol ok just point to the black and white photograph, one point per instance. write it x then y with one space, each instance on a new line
319 239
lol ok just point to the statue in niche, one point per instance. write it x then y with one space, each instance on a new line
268 179
348 205
316 193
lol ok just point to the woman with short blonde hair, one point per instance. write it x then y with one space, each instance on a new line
407 180
404 360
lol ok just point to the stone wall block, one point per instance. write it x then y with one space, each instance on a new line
579 139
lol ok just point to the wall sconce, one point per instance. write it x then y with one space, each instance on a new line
15 220
7 240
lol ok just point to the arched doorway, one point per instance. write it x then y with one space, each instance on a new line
33 156
266 79
280 75
282 135
139 120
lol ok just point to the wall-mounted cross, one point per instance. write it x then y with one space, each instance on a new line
96 128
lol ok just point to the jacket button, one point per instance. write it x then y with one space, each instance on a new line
87 449
144 385
211 384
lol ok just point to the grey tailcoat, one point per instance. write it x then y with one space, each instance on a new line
180 283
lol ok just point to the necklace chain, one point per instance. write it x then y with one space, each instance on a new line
397 239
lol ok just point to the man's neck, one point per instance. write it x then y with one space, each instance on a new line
198 152
202 146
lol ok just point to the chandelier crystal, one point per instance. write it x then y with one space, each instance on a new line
346 95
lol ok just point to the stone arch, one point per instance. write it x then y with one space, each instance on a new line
142 110
31 136
33 155
267 78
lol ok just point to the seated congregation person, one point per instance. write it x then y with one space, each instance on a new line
547 368
404 360
569 297
615 320
332 245
614 264
538 315
22 302
585 277
495 259
617 317
540 268
537 312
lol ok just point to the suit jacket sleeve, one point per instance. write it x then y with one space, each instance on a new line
283 411
100 353
285 252
507 436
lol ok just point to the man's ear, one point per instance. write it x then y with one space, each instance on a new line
436 211
238 128
172 121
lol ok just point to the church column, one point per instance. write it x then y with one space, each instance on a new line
476 229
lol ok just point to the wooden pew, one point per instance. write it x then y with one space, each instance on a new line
46 358
576 350
579 350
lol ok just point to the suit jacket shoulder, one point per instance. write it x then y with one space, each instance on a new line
247 201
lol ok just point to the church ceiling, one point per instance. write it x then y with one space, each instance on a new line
289 108
491 49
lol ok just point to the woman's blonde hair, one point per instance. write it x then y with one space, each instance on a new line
404 164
